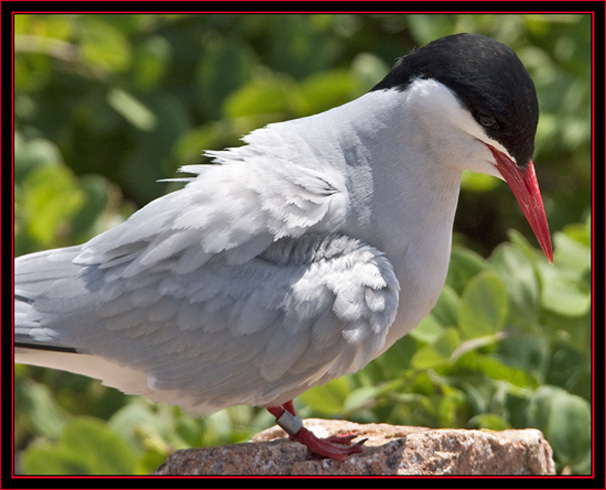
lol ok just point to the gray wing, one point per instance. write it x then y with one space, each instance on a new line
234 289
304 311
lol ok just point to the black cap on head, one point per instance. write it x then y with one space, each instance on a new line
487 77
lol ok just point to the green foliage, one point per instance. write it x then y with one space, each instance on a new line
86 446
105 105
483 306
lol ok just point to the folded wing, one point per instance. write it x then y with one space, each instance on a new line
228 291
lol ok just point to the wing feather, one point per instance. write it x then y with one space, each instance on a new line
226 208
227 291
227 334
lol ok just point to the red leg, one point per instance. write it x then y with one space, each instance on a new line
289 405
334 447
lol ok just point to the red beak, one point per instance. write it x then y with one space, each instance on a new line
525 187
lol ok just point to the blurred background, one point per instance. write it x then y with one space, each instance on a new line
105 105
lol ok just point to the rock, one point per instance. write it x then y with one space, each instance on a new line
389 450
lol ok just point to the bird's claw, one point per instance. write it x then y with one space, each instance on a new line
345 439
333 447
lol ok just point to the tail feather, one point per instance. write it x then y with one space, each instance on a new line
51 279
36 275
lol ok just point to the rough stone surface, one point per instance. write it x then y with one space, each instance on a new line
389 450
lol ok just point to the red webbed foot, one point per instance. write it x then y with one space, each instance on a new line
333 447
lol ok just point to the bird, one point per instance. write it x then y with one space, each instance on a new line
297 257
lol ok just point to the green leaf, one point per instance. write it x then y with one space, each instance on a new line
298 44
54 461
103 46
530 352
138 421
523 245
226 65
96 190
33 153
565 420
483 306
580 232
570 253
133 110
497 370
217 427
145 166
368 68
427 27
51 198
360 397
107 452
563 292
570 368
476 182
446 309
328 399
464 264
261 96
520 279
46 416
326 90
437 353
87 446
427 358
490 421
395 360
428 329
151 62
452 407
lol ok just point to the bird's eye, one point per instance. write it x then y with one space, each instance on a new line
486 119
